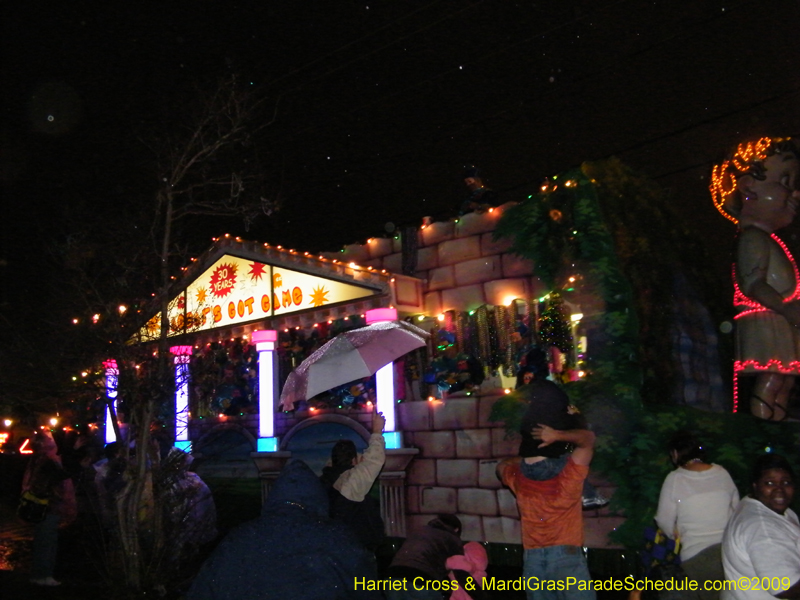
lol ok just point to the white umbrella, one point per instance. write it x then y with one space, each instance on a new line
351 355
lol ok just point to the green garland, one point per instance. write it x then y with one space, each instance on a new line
554 328
563 231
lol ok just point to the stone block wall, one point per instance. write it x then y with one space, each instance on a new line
461 265
455 471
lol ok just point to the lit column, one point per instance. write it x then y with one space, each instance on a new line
112 376
384 382
183 354
265 340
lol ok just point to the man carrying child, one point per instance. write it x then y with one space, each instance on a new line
547 481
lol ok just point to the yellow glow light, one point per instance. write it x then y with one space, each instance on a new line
53 421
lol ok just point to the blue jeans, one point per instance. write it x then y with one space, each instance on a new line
549 468
544 469
45 547
556 563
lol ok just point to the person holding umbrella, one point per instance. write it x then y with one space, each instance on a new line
349 479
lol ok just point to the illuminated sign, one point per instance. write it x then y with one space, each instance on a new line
236 290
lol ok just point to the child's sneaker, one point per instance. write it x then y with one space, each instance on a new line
597 501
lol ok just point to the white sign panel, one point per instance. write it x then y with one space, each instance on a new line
236 290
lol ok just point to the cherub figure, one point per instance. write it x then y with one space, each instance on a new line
758 190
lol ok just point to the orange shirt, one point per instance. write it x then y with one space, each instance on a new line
551 511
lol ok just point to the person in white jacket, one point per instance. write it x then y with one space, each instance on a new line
696 501
761 545
349 479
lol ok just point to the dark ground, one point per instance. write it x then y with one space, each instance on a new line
79 567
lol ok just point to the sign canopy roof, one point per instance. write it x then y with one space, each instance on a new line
238 283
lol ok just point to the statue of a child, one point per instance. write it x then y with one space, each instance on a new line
759 189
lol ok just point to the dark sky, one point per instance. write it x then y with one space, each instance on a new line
381 104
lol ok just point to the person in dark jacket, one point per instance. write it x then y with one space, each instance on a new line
422 557
481 198
46 478
292 551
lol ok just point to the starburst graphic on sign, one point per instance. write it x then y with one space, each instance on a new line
319 296
223 280
153 324
257 270
201 295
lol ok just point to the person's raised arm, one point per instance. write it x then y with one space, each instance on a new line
582 439
355 483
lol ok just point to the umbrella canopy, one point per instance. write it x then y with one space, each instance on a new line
351 355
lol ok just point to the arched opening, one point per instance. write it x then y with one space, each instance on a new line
225 452
312 440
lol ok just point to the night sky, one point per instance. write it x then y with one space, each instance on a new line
380 105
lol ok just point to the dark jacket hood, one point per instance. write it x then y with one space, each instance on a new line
297 485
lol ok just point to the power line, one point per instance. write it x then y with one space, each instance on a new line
353 43
593 76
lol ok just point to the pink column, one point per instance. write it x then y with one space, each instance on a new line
265 340
384 382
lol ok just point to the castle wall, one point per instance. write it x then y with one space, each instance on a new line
461 265
462 268
455 471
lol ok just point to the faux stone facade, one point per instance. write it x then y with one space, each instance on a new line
460 263
455 471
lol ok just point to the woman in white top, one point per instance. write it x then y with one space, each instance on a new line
696 500
761 545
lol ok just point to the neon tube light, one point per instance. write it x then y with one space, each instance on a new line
112 379
265 344
183 354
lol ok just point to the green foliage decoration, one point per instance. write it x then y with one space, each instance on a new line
554 328
613 227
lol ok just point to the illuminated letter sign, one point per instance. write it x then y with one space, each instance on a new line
235 290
